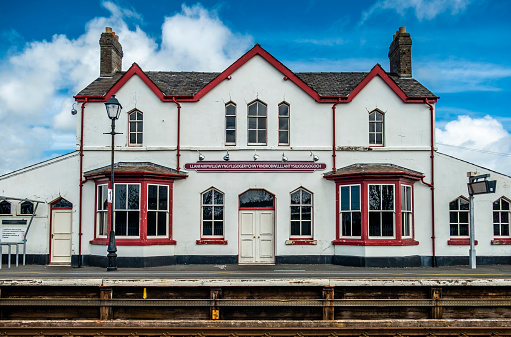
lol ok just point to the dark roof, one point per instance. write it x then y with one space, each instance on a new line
372 169
169 82
190 83
131 167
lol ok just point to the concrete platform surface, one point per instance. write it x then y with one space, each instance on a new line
285 274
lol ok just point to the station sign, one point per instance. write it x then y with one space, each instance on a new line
255 166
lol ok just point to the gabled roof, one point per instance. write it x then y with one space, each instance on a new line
191 86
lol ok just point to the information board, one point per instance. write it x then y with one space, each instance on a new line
13 234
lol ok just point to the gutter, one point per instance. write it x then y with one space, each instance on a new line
178 168
82 181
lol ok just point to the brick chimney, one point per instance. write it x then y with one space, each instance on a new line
111 54
400 54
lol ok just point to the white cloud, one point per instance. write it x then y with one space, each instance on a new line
482 141
38 81
458 75
423 9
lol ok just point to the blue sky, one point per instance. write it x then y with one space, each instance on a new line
49 51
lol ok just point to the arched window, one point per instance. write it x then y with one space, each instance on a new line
257 199
301 213
230 124
5 208
458 217
257 123
26 207
212 214
135 132
501 217
376 128
62 203
283 124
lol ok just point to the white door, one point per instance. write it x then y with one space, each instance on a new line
256 242
61 236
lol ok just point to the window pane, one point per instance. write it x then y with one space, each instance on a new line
133 223
505 230
345 198
463 217
252 123
133 117
372 138
207 213
219 229
219 198
453 217
139 116
306 228
230 136
496 229
252 110
496 217
230 122
261 136
505 205
454 229
283 137
295 227
133 138
379 138
378 127
295 212
504 217
387 197
464 205
261 123
219 212
207 198
453 205
371 127
374 224
372 116
120 196
355 198
464 230
230 110
139 138
151 223
261 109
387 224
496 205
346 223
120 223
252 136
207 228
283 110
295 197
133 196
152 197
306 212
379 116
162 203
162 223
356 223
133 126
374 197
283 123
306 198
256 198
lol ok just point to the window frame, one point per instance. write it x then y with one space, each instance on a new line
118 211
102 215
4 202
257 129
230 103
501 211
20 208
408 212
213 205
375 122
301 205
459 211
136 132
382 211
158 211
144 179
288 118
350 211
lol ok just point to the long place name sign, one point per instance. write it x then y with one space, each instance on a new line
255 166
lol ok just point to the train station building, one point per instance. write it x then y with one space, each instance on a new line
257 164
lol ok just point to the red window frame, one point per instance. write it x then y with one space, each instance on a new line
365 239
143 239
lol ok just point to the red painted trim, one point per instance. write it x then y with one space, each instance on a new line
501 242
375 242
211 242
460 242
133 242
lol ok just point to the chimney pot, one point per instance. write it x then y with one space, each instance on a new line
400 53
111 53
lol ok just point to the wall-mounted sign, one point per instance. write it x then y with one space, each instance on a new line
16 234
14 222
255 166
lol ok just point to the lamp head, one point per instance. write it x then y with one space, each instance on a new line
113 108
226 157
284 158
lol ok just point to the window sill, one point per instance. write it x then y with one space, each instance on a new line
211 242
460 242
292 242
373 242
501 242
134 242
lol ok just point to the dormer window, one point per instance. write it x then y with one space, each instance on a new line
257 123
376 128
135 131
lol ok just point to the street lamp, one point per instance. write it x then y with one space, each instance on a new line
477 184
113 110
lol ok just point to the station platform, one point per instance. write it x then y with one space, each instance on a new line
262 274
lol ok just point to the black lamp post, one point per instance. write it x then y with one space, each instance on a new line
113 109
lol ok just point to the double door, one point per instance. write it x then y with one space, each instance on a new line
257 237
